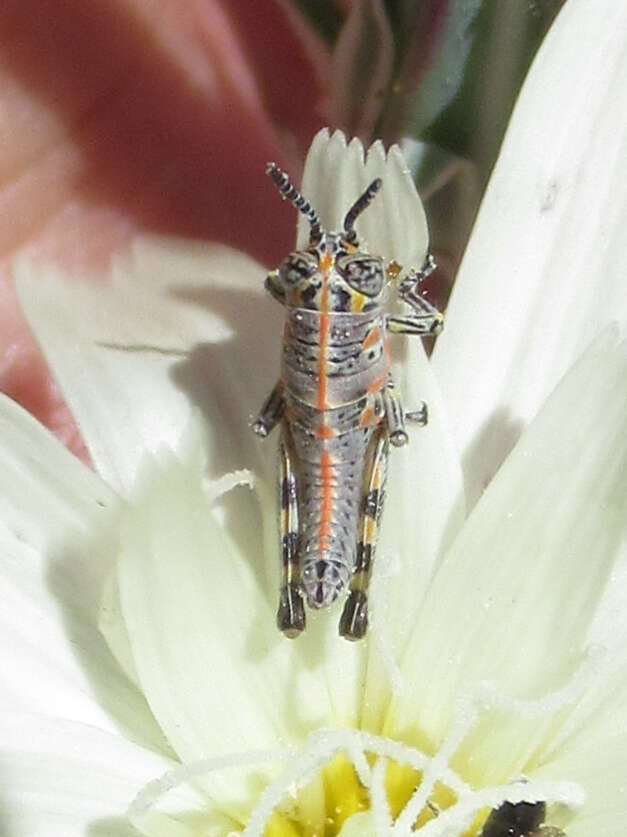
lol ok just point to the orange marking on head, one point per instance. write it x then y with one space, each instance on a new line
326 260
371 338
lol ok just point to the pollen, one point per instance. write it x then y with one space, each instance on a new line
344 796
348 782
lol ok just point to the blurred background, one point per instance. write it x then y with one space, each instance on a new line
130 117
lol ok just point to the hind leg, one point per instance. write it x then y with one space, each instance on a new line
291 613
354 619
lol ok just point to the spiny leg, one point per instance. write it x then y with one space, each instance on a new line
425 319
291 613
270 413
354 619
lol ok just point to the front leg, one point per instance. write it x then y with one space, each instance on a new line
271 412
425 319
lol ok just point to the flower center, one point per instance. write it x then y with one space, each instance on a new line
352 783
398 790
347 783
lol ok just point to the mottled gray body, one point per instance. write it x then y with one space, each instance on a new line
333 404
338 411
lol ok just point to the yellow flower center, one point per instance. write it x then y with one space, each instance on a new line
341 783
345 795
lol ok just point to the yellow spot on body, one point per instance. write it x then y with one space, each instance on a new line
393 271
370 530
357 302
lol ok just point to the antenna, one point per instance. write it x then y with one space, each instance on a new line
358 207
283 184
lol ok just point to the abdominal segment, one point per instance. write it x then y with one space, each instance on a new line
330 452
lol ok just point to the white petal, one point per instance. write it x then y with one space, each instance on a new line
600 767
514 598
53 558
215 670
211 796
46 493
545 268
178 327
62 779
423 511
335 175
598 721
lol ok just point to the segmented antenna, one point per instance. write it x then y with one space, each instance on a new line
358 207
282 182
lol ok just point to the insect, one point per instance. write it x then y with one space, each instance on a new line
338 410
522 819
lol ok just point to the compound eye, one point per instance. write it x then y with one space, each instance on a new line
298 266
363 273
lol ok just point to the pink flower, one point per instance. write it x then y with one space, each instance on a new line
140 116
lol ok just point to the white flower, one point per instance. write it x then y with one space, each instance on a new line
496 665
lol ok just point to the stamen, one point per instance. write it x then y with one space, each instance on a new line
381 814
489 697
323 746
461 815
467 716
155 790
358 759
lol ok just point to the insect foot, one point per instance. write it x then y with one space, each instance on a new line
399 438
420 416
354 619
290 616
260 428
